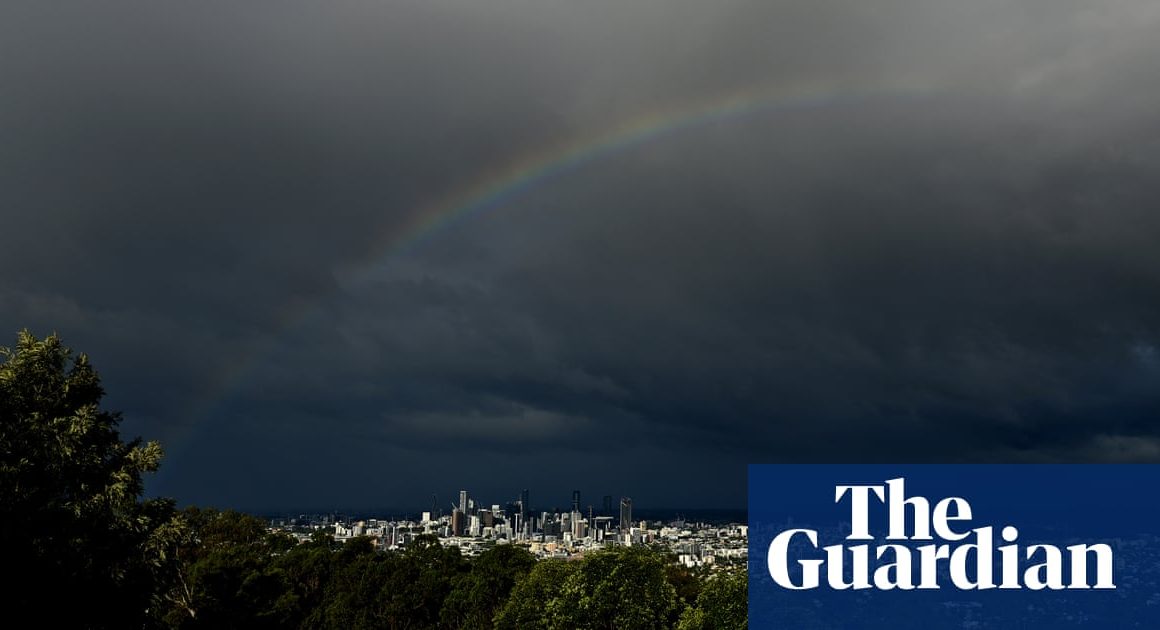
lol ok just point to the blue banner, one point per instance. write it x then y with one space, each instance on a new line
954 546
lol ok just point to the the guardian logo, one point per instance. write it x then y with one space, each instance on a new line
973 558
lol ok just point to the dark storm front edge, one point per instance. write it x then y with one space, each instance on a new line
930 546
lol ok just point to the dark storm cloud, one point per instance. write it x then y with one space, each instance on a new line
951 258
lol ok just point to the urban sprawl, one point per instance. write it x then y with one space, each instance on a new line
474 527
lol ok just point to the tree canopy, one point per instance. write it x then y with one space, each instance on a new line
71 515
622 587
721 605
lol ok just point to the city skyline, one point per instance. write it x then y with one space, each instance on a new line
440 507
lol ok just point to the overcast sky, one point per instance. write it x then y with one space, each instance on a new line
948 254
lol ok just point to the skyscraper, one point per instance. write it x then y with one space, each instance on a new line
575 500
625 514
607 511
525 507
463 501
458 522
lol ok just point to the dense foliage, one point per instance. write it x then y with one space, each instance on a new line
254 579
76 529
72 524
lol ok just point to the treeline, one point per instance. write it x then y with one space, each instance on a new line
82 549
232 573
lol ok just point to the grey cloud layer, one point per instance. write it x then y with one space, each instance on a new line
197 196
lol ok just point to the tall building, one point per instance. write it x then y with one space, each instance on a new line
463 501
607 511
625 514
458 522
575 500
525 507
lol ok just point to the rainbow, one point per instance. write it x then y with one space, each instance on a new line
496 188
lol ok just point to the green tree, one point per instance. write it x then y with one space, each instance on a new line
686 582
307 569
352 594
71 516
477 596
390 590
722 605
624 587
527 606
224 573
